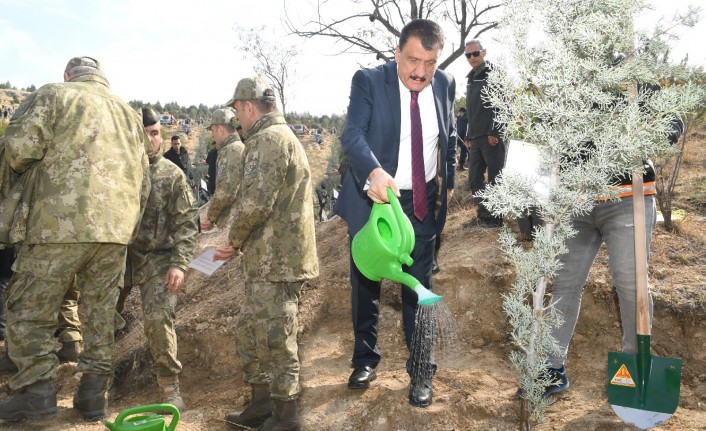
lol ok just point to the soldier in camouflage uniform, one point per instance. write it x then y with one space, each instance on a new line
86 149
274 232
159 257
230 167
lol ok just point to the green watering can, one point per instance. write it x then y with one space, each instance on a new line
384 244
145 418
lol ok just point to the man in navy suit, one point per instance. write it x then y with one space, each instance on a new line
398 112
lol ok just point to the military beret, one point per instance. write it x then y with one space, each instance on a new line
222 116
79 66
253 88
149 117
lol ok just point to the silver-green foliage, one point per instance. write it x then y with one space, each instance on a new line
561 89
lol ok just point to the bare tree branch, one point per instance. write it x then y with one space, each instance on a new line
273 61
377 30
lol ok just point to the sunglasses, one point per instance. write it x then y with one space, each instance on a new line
474 53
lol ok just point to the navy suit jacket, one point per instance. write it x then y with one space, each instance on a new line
371 139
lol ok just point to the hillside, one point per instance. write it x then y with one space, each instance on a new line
475 385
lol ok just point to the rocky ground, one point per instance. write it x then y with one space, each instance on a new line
475 386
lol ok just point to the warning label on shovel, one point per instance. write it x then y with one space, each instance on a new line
623 378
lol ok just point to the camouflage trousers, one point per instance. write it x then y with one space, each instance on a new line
69 325
43 274
266 336
158 309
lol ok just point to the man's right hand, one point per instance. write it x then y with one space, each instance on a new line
206 224
467 143
379 182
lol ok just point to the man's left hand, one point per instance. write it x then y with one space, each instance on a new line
493 140
174 279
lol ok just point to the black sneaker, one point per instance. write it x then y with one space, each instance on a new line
559 383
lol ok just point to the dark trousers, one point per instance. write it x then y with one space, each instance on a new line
365 298
484 156
463 152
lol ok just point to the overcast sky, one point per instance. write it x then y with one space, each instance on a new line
185 50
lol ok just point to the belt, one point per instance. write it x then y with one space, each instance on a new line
626 191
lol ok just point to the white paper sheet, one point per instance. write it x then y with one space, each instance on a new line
205 262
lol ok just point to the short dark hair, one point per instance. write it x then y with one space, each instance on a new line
428 32
175 138
462 109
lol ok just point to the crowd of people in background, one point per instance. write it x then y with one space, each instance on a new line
6 112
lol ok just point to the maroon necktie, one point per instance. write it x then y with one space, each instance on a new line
419 183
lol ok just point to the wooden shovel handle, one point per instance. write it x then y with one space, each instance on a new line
638 205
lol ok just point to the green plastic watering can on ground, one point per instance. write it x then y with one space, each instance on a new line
384 244
145 418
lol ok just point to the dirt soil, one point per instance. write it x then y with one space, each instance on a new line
474 389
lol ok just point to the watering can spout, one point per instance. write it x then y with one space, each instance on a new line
384 244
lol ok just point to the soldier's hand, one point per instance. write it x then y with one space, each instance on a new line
379 182
226 252
174 279
206 224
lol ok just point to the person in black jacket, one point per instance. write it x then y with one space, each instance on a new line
483 137
211 162
611 222
178 155
461 129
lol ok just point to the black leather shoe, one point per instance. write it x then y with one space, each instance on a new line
361 378
435 268
420 393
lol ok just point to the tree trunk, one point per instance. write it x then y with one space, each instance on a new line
525 415
667 215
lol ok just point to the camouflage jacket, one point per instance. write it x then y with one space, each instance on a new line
167 232
275 222
89 148
228 177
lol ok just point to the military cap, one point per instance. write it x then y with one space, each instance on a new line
79 66
149 117
222 116
253 88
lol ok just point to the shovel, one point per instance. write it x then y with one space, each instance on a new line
643 390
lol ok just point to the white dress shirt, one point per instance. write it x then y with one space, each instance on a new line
430 133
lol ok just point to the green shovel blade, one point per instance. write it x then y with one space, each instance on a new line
643 390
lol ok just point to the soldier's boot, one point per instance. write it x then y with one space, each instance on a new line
36 401
91 398
6 365
170 391
256 413
69 352
284 418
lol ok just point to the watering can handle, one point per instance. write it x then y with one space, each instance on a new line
406 239
147 409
